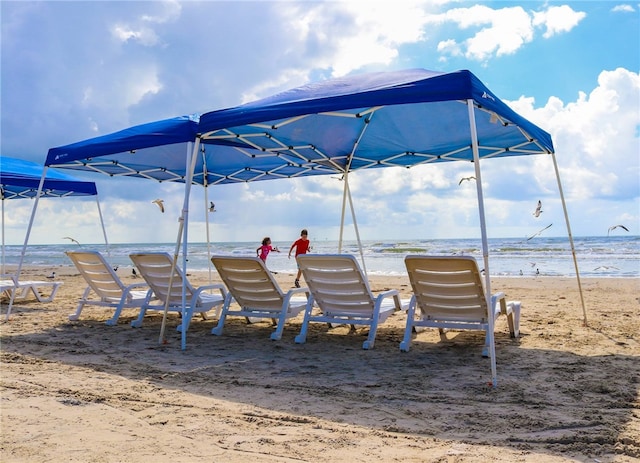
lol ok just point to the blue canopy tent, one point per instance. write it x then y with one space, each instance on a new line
20 179
24 179
367 121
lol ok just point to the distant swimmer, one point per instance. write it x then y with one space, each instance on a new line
538 210
160 204
616 226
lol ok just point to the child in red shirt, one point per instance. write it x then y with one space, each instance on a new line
302 245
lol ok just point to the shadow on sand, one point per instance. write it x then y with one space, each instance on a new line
548 401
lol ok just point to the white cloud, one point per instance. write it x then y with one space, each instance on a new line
557 19
169 11
501 31
139 81
144 35
141 29
351 35
595 137
625 8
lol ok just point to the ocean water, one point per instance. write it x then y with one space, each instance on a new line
600 256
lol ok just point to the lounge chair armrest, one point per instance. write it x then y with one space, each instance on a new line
131 288
391 293
221 287
293 291
499 298
137 286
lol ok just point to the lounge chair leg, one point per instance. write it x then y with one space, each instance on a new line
113 321
83 299
302 337
76 316
217 330
514 319
409 327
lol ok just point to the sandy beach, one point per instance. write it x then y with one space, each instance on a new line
86 392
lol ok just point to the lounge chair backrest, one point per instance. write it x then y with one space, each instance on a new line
155 268
337 283
448 288
98 274
249 281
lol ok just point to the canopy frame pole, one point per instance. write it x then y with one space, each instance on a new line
485 243
14 289
573 249
2 199
191 164
347 191
344 205
182 238
206 211
104 230
355 226
26 240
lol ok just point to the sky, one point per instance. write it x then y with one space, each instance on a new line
79 69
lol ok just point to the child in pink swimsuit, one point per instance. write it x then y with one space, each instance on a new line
264 250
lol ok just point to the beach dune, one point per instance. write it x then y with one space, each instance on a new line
83 391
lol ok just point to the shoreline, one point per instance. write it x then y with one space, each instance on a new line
70 270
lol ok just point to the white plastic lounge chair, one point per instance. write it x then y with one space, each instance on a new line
106 285
258 295
341 291
24 287
448 294
155 268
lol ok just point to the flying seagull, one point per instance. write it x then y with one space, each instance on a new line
466 178
536 234
616 226
212 207
72 240
538 209
160 204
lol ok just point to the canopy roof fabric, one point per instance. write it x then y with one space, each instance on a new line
402 118
20 179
